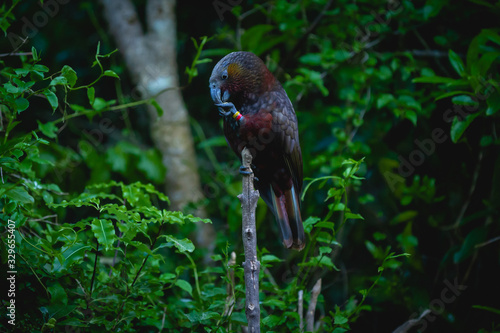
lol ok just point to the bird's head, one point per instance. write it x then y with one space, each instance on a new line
240 78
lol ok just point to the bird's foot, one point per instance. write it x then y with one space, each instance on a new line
245 170
227 109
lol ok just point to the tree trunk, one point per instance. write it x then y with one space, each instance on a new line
151 59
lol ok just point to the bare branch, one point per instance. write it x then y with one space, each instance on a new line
316 290
410 323
15 54
301 310
429 53
230 300
488 242
251 265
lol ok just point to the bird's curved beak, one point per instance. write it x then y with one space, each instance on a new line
225 96
216 94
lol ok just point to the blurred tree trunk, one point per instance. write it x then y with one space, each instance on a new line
151 59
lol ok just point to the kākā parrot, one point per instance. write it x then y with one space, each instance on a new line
258 114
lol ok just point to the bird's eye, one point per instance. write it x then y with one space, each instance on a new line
224 75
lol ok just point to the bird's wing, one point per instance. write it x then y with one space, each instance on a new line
285 128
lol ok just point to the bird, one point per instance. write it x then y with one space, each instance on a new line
257 114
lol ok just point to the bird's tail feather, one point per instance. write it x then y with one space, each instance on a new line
286 209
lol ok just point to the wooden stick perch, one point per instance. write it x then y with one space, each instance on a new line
251 265
316 290
301 310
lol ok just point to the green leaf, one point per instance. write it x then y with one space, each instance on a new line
464 100
215 141
274 302
267 258
91 95
458 126
166 277
157 106
384 99
433 7
184 285
394 256
151 164
408 101
104 231
258 38
476 236
486 140
48 129
21 104
452 93
272 321
487 308
493 102
193 316
52 98
411 116
19 194
58 294
70 255
457 63
111 73
206 315
321 261
59 81
325 250
240 318
353 216
310 222
339 319
34 54
313 59
183 245
10 88
36 75
315 78
486 61
404 217
384 73
101 104
41 68
325 225
69 74
433 79
340 330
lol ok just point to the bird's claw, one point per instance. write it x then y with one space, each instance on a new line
244 170
224 106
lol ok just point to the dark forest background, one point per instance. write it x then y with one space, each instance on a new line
397 104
